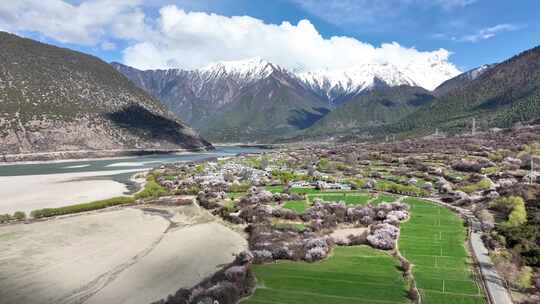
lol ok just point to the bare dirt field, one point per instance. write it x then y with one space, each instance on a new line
124 255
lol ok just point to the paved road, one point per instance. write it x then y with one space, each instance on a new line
494 283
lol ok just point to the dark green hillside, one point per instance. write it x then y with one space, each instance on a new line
375 108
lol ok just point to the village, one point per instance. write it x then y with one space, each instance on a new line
300 203
396 221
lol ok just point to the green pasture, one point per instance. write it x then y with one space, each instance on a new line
433 240
352 275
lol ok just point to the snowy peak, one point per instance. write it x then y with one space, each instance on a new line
334 84
242 70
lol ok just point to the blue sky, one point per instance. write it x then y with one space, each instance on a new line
425 27
475 32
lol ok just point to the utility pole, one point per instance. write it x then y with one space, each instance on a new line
533 177
473 126
437 132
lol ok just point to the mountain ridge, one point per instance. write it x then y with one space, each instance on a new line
55 99
208 96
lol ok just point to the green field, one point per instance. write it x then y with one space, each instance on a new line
384 198
274 189
299 206
347 197
433 241
352 275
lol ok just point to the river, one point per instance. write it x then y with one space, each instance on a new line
26 187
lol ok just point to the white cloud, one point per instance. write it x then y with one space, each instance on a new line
180 39
85 23
193 39
487 33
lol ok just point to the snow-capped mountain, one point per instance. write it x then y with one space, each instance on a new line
242 71
202 96
335 84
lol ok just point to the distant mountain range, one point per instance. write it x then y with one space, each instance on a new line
234 101
260 101
55 99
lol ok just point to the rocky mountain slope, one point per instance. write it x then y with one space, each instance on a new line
254 99
234 101
461 80
55 99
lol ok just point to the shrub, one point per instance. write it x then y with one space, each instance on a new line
515 206
229 206
524 279
358 183
411 190
284 176
239 187
199 168
483 184
323 165
151 189
489 170
4 218
518 216
48 212
19 216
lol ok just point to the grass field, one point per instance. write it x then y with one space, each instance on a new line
433 241
352 275
348 198
299 206
274 189
384 198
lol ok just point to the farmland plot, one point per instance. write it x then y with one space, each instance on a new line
352 275
433 240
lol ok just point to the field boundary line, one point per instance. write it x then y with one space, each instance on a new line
468 217
454 293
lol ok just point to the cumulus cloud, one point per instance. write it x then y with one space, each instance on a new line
85 23
192 39
175 38
487 33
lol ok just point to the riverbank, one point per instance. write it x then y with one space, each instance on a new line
80 155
